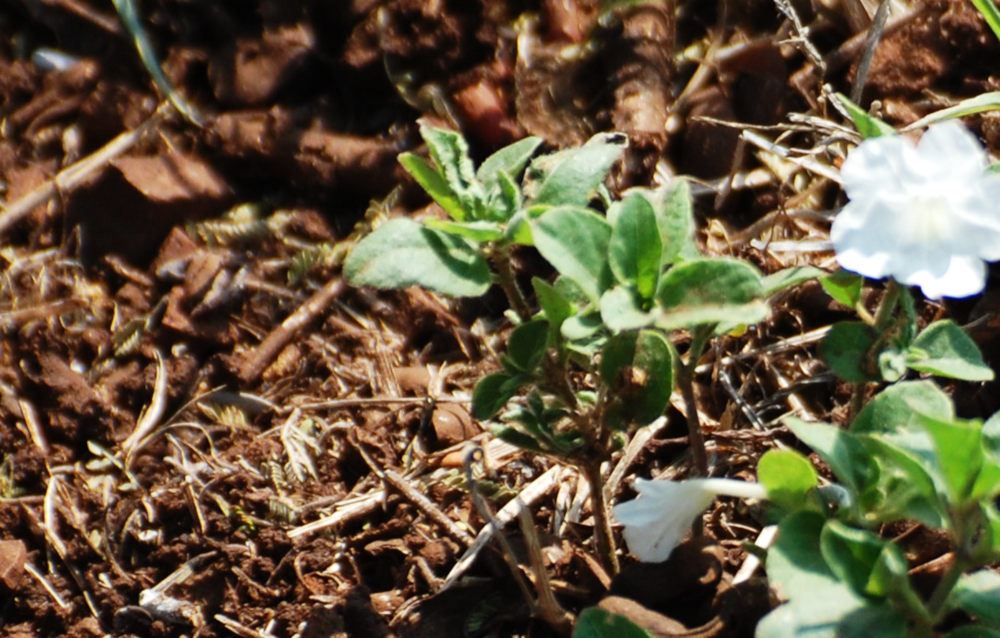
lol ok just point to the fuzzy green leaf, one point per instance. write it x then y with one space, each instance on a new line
706 291
527 345
675 218
432 181
637 369
978 594
478 231
635 246
788 477
510 159
788 277
620 310
850 462
846 349
492 392
844 287
573 175
556 308
869 564
402 253
943 349
575 241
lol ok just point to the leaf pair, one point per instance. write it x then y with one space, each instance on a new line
856 352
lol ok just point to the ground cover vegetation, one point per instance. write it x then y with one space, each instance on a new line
305 305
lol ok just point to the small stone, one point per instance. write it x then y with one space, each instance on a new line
12 557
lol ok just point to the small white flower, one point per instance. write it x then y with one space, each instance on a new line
664 511
927 215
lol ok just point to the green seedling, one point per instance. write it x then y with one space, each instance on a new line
591 359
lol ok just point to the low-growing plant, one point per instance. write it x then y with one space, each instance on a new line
906 456
594 359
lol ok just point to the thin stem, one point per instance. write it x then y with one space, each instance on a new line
937 600
508 282
602 524
685 381
887 306
857 400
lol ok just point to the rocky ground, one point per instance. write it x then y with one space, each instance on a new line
204 431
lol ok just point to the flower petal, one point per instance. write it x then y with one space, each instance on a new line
657 521
949 149
926 215
961 277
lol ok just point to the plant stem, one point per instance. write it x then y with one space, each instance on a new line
602 525
685 381
937 600
887 306
508 282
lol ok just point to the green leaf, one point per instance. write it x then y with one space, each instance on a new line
675 219
990 13
845 349
402 253
705 291
527 345
834 613
845 455
978 594
517 437
896 409
637 369
820 605
906 489
944 349
620 310
635 246
504 201
510 159
130 18
575 241
595 622
982 102
959 454
451 154
555 306
844 287
432 181
580 327
892 363
867 125
870 565
788 277
788 477
519 230
492 392
571 176
478 231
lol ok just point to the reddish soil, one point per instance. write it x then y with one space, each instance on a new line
185 381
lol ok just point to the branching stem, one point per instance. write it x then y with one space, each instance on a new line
508 282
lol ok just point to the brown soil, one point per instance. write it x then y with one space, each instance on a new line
186 383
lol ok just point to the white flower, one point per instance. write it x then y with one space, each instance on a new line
664 511
927 215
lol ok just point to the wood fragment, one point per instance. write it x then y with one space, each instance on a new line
531 493
349 511
72 176
261 357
